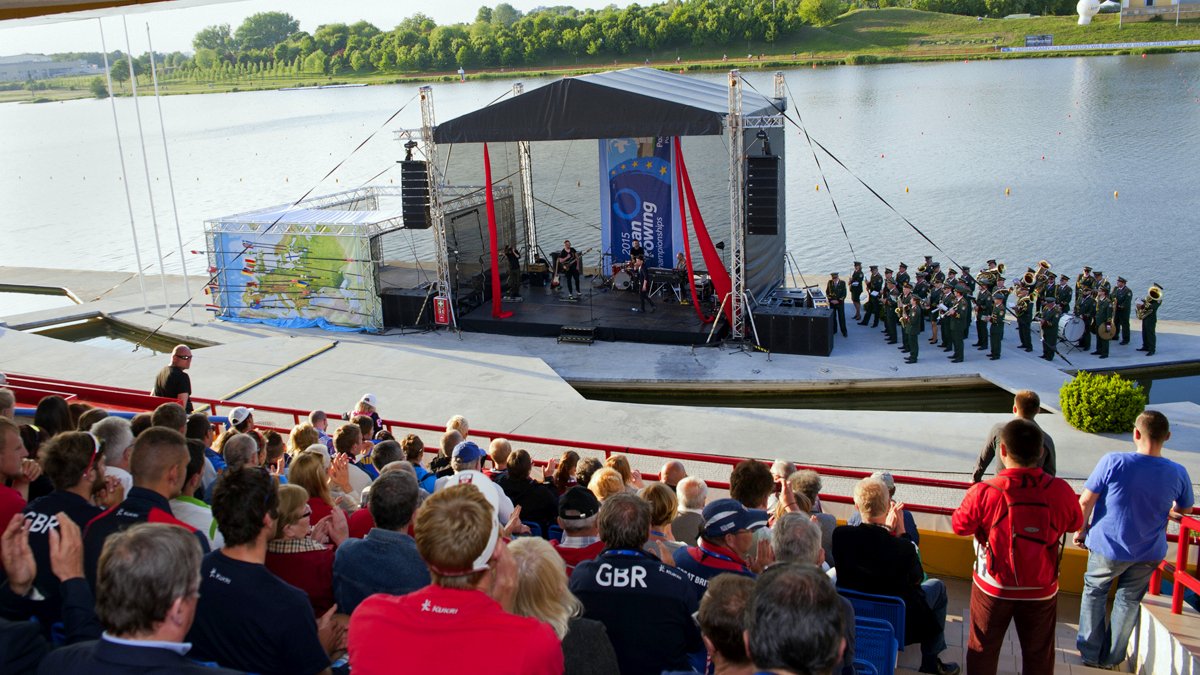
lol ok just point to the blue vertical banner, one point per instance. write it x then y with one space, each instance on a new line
637 198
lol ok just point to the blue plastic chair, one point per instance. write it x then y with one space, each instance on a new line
875 643
535 530
864 668
886 607
556 533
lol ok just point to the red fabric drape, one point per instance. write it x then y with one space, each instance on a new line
712 259
497 292
687 241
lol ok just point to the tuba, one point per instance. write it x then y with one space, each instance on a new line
1155 295
1030 277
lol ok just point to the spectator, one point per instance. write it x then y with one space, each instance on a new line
386 561
242 419
191 509
795 538
75 466
301 437
1016 577
807 485
12 457
910 524
586 468
1126 503
367 406
607 482
874 557
722 625
542 594
562 472
751 484
466 459
87 419
320 422
384 453
173 380
663 506
171 416
671 473
279 633
308 471
159 466
781 469
8 403
348 441
646 606
440 465
459 423
414 452
76 409
538 502
577 510
201 429
295 556
1026 405
725 546
366 425
240 450
632 479
139 423
116 438
498 451
794 621
692 493
383 435
146 597
473 581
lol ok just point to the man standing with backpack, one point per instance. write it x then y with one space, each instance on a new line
1019 520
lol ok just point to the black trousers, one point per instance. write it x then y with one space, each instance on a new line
839 311
572 277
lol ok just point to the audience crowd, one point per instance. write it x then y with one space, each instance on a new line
168 543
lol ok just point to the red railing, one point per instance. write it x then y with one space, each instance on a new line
1182 579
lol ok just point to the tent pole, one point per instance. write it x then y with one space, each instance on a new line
737 224
525 167
162 272
112 101
187 285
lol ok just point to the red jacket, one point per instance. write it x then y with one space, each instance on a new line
983 514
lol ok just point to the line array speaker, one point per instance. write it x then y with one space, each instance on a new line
762 194
414 194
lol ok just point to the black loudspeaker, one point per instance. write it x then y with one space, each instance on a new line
414 195
762 194
795 330
407 308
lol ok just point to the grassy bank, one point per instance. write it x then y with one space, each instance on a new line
863 36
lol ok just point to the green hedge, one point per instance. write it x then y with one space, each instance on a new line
1101 403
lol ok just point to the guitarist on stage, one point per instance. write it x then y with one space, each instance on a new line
568 266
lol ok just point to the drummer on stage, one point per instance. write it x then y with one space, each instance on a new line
636 252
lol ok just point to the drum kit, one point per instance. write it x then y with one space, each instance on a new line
622 276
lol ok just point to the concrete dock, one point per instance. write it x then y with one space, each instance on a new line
524 385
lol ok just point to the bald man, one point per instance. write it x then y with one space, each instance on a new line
173 380
672 472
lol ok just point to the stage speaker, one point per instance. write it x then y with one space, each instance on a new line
407 308
795 330
414 195
762 194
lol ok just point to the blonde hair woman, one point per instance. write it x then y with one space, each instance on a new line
663 507
605 483
302 436
308 472
631 478
542 594
295 556
459 423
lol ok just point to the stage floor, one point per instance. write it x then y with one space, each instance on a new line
544 312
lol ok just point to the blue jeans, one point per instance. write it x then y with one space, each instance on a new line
1096 642
935 597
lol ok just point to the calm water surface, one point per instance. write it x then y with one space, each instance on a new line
1062 135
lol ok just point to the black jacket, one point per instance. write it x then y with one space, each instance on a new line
109 658
871 560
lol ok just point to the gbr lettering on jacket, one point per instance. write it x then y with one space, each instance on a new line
620 577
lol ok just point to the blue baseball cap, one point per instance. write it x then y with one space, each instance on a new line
726 516
467 451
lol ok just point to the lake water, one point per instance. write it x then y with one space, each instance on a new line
942 142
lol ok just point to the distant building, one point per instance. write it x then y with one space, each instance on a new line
1144 10
24 67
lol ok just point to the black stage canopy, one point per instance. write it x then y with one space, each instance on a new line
614 104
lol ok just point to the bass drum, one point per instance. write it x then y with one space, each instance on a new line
1071 328
622 281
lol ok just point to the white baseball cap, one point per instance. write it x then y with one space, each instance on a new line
492 493
239 415
369 399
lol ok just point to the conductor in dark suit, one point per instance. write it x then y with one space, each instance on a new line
876 557
835 291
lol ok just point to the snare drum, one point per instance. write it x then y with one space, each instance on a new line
622 280
1071 328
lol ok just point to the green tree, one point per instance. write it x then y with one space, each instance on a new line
505 15
484 15
99 88
265 30
217 38
331 38
120 71
819 12
316 63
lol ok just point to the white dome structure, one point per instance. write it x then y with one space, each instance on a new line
1087 9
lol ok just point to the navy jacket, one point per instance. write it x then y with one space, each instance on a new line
109 658
140 506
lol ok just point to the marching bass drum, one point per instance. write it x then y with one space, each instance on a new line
622 281
1071 328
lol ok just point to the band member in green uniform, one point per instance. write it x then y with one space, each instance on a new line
1062 293
1147 311
1082 280
960 319
902 303
835 292
996 324
1049 319
890 302
968 281
931 308
1025 318
1087 312
902 275
874 289
983 309
1104 314
912 332
1100 281
856 288
1124 296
